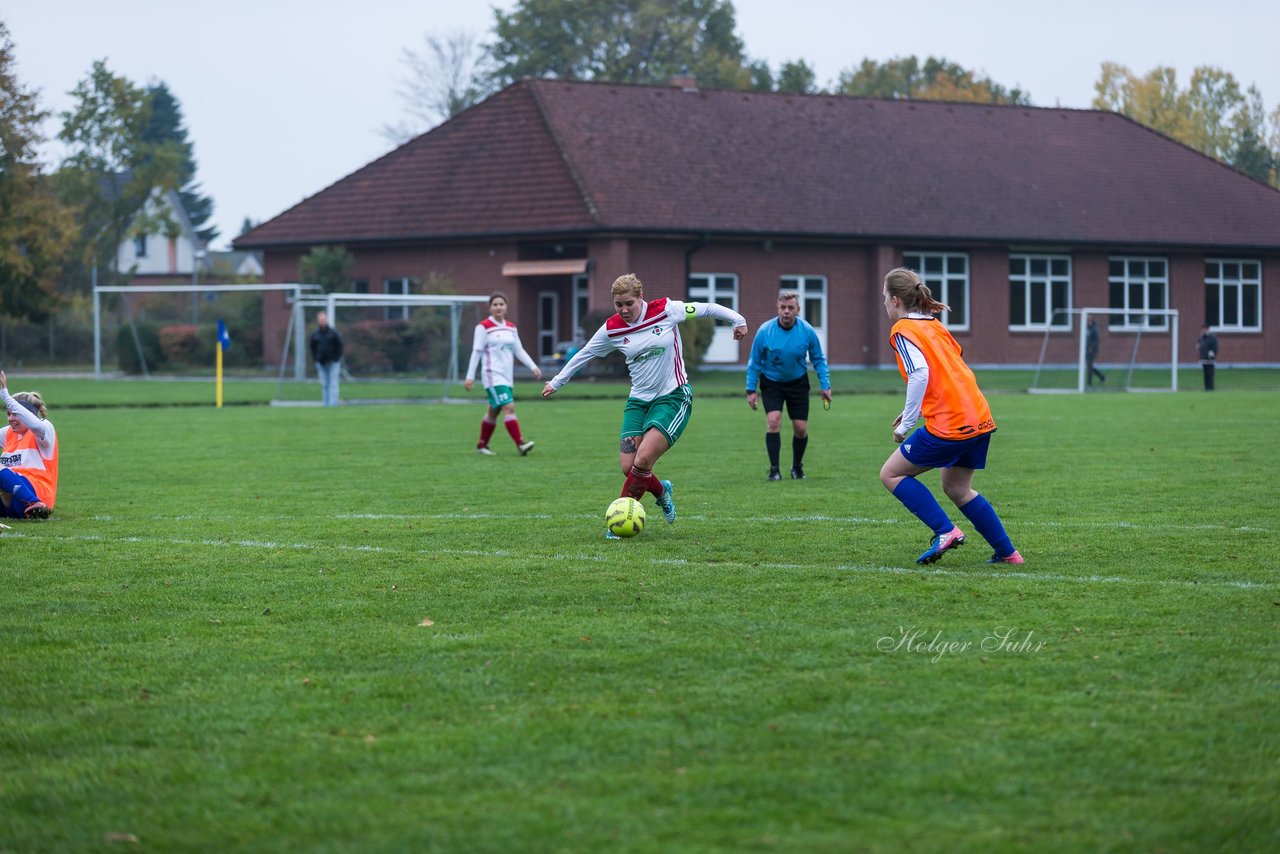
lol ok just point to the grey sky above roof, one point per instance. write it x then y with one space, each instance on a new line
281 99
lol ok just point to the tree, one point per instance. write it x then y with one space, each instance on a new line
165 125
329 266
451 74
112 170
622 41
1212 115
936 80
797 77
35 230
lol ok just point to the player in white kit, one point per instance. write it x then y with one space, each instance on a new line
661 399
497 346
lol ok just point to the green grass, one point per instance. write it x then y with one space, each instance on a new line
218 640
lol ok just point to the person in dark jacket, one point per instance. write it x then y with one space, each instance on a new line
1092 339
326 350
1208 345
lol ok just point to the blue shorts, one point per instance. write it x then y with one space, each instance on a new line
926 450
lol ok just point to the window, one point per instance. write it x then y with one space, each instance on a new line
813 301
397 287
360 286
947 275
722 289
1138 283
1039 292
1233 294
140 246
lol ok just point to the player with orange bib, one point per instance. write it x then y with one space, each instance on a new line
29 462
958 424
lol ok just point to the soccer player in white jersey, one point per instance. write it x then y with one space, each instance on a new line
661 399
497 346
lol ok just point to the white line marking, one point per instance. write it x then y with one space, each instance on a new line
1021 575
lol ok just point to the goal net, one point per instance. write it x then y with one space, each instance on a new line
396 347
1126 350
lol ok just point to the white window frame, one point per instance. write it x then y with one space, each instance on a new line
140 246
722 289
809 288
581 296
548 336
943 285
1120 321
1238 284
403 287
1031 281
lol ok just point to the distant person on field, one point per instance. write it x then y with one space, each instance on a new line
1208 345
942 388
496 346
660 403
1091 342
29 463
326 350
780 353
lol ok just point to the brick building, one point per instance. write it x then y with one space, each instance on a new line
550 189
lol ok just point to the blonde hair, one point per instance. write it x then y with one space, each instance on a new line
784 296
628 285
907 286
34 399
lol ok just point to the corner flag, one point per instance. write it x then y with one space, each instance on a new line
224 342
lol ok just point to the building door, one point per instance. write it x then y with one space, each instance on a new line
720 288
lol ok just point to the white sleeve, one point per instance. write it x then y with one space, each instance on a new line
599 345
681 311
477 350
917 381
43 430
521 354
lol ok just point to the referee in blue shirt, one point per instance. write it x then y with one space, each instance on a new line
777 362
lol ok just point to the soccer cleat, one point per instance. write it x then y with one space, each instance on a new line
668 502
1013 558
774 474
941 543
797 472
525 448
610 535
486 451
37 510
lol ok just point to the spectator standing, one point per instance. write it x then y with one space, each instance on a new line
1208 345
326 350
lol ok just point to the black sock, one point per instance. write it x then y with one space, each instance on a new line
773 444
798 444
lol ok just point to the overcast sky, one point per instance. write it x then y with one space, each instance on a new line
283 97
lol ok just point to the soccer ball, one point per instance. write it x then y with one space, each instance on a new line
625 517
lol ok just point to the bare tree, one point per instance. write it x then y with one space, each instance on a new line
449 75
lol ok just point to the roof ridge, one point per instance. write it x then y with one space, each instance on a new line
583 192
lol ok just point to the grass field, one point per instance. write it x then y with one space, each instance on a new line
341 630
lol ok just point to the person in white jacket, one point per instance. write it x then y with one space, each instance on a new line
661 399
496 347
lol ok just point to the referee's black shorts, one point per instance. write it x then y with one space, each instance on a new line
795 393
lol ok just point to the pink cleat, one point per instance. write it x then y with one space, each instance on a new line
941 543
1010 558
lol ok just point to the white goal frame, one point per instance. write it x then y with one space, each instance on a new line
1082 364
294 289
455 302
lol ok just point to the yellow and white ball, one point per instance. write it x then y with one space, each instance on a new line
625 517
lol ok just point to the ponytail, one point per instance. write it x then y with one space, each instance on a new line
907 286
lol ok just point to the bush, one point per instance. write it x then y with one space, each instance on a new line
183 346
148 340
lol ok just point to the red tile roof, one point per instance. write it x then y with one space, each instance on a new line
548 156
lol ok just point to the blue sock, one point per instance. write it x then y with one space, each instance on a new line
984 518
917 498
17 486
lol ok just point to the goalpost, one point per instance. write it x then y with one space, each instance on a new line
294 290
1114 324
453 304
